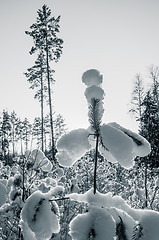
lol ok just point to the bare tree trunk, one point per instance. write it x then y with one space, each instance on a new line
42 111
145 183
95 166
50 104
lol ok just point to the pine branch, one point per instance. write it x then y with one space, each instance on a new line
137 232
102 144
94 115
120 230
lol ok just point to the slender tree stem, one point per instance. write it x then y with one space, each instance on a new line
42 106
50 102
146 191
23 193
153 198
95 166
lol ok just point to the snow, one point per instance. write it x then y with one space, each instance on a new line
56 190
4 181
38 217
101 199
149 223
37 154
3 194
157 182
72 146
127 220
92 77
119 145
47 167
141 147
14 193
97 223
119 209
27 233
50 182
38 158
65 159
27 153
107 201
107 154
94 92
59 172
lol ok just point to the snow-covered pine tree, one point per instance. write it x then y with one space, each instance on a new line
36 132
26 133
137 98
5 132
150 129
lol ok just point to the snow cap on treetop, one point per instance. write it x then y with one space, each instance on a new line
92 77
94 92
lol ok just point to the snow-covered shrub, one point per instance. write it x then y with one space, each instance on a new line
98 156
39 217
117 145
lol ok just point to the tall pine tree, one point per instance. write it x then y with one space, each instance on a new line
44 33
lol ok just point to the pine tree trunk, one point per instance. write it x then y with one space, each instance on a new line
21 144
13 141
50 104
42 112
95 167
146 191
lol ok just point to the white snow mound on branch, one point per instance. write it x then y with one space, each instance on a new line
38 216
72 146
117 207
101 199
129 223
46 165
65 159
149 223
141 147
94 92
118 144
92 77
40 160
107 154
96 224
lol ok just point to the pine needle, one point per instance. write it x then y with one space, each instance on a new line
94 115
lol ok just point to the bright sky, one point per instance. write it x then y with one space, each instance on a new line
120 38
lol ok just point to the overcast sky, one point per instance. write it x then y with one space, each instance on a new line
120 38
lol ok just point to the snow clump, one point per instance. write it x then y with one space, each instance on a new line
37 217
92 77
38 159
96 224
148 220
119 145
94 92
141 147
122 145
72 146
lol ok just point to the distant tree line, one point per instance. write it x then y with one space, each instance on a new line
17 136
146 109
